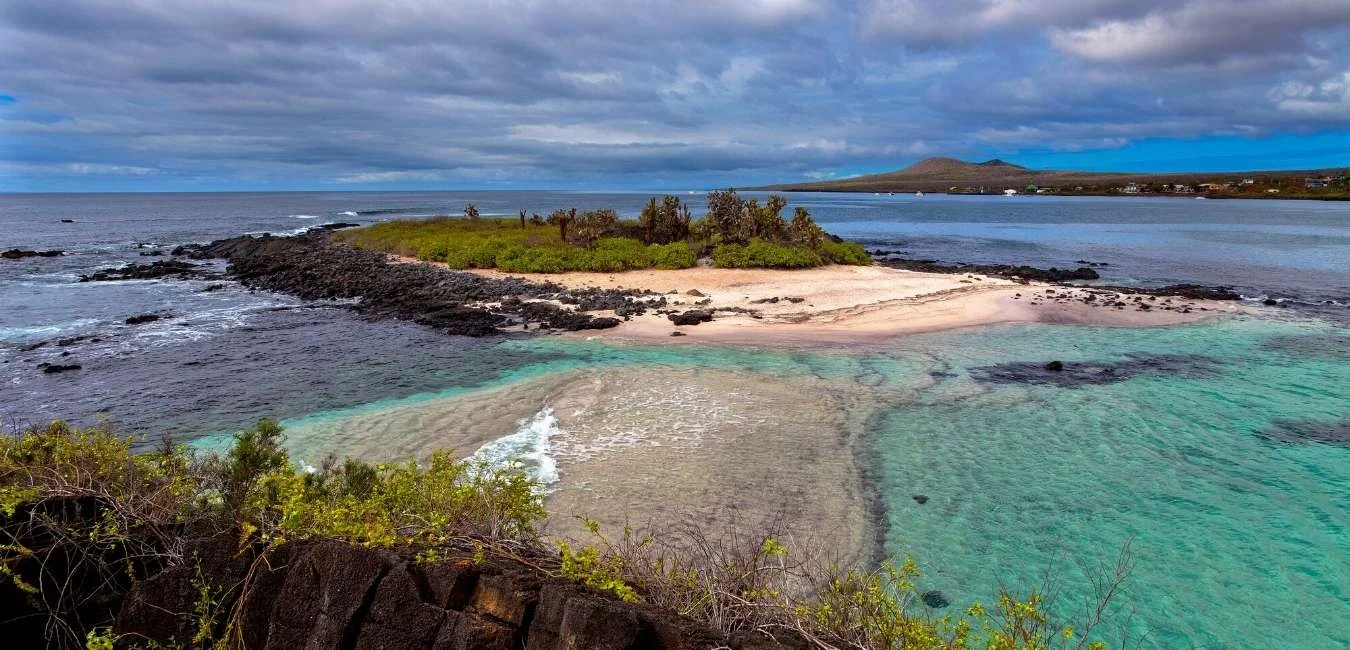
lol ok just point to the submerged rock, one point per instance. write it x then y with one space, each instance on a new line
921 499
1055 366
935 599
1305 431
1086 373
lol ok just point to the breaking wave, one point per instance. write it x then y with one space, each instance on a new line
528 448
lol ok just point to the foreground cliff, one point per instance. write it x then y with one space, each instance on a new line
104 547
328 594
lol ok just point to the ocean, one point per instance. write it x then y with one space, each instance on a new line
1217 452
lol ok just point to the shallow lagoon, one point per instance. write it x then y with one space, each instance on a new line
1233 527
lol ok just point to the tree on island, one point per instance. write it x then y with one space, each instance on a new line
561 218
665 222
588 228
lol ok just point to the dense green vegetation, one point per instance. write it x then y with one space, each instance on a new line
735 232
145 504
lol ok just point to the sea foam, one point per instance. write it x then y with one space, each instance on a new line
528 448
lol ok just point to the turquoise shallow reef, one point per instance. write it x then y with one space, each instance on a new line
1199 448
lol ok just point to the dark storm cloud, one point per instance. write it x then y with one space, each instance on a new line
347 92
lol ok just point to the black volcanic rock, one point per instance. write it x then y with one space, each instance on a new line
1001 270
145 318
154 270
53 368
691 317
1192 291
15 254
312 267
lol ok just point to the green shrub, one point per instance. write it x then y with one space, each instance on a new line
675 255
762 254
531 260
845 253
399 504
608 244
619 254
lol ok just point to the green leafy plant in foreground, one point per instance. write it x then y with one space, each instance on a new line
739 582
447 508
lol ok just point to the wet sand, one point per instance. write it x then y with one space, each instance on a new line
655 445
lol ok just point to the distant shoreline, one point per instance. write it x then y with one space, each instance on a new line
952 176
1112 195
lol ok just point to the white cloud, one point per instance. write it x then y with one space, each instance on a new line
392 176
595 134
76 169
1328 99
1203 31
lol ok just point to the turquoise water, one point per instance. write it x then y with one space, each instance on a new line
1239 541
1173 440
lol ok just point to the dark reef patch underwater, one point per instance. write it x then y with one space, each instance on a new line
1077 374
1306 431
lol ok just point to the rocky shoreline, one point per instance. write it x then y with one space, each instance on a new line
1055 275
312 267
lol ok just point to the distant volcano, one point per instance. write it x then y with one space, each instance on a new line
953 168
948 174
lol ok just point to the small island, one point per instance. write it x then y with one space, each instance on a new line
742 273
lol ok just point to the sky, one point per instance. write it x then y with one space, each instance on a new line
182 95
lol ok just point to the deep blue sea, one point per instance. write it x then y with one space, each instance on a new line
1219 451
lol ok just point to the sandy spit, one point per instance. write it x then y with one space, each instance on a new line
840 304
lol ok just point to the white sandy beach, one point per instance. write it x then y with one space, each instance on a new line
852 303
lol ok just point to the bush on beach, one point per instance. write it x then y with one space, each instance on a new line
736 233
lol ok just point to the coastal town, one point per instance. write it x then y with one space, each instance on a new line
1323 186
952 176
